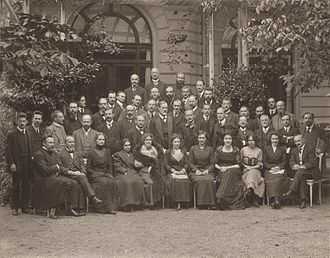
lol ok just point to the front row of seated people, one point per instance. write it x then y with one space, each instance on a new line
227 178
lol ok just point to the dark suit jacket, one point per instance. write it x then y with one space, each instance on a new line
274 159
240 139
207 126
70 125
161 86
36 138
309 159
232 118
98 122
138 91
189 135
84 144
135 136
286 138
219 132
124 126
262 139
316 138
178 122
112 137
15 147
73 164
157 130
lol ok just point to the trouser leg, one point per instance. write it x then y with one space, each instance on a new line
85 185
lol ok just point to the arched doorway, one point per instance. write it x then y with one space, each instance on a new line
130 30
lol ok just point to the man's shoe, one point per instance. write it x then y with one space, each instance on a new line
96 200
73 213
277 204
303 204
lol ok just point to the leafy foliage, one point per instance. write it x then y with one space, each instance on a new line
45 62
244 85
302 25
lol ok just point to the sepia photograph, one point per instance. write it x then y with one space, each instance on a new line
164 128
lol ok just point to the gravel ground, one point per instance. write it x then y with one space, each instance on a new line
168 233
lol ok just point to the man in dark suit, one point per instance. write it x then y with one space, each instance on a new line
111 132
277 119
287 133
156 83
303 163
255 122
242 132
271 107
208 99
18 156
189 130
184 95
169 97
179 82
120 105
231 117
72 166
35 131
314 136
155 95
151 111
135 89
99 118
161 126
82 107
71 121
178 116
221 127
127 122
135 133
206 122
193 105
200 89
263 133
244 111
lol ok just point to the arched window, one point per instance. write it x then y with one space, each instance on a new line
127 27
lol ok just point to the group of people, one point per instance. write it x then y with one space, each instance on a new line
147 144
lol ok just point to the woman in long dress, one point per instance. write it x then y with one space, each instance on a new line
276 179
230 193
130 183
100 175
201 172
148 157
176 166
251 160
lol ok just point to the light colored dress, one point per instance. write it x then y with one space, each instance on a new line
252 176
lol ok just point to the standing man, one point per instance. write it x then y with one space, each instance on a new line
135 133
135 89
169 96
180 82
127 122
99 117
85 137
264 132
207 122
221 127
82 107
287 133
120 105
18 156
193 105
178 116
36 131
56 129
200 88
189 130
277 119
156 83
71 121
271 107
161 126
231 117
111 132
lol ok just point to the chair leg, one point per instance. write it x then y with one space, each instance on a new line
151 196
87 204
310 195
163 202
320 192
179 206
195 197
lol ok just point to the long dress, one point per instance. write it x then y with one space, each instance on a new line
179 186
230 193
151 159
202 159
99 172
277 183
252 176
130 183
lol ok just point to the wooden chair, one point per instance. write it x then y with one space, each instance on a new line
325 177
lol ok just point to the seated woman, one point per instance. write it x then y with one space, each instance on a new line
148 159
251 160
276 179
230 193
201 172
130 183
100 175
176 166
